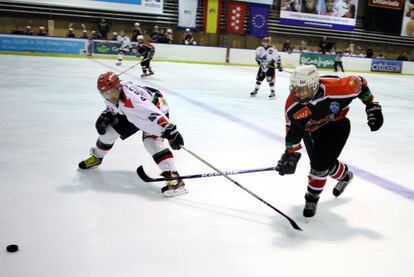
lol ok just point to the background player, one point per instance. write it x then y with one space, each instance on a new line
130 108
145 50
268 58
316 112
124 47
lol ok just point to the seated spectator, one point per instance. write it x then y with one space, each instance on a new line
42 31
165 37
169 35
114 36
136 32
70 33
322 45
155 34
402 57
84 34
94 35
370 53
188 37
380 56
17 31
28 31
303 46
286 47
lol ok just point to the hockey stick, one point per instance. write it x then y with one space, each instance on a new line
129 68
141 173
292 222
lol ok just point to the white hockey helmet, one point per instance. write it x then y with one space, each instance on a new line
304 83
187 30
140 38
136 24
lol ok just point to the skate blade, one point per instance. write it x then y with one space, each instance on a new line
175 192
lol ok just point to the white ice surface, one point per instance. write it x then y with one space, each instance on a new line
108 223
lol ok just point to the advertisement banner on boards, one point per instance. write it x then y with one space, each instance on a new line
319 60
328 14
110 48
137 6
379 65
42 44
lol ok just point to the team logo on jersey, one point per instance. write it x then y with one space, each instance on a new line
162 121
302 113
334 107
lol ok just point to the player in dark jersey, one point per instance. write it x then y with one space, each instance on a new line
145 50
316 112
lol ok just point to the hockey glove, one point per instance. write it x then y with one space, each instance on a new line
374 116
175 139
279 67
287 163
104 120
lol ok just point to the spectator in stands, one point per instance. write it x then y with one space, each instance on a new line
155 34
70 33
84 34
42 31
188 37
94 35
303 46
169 35
28 31
370 53
16 30
322 45
330 8
114 36
136 32
286 47
310 6
402 57
103 29
380 56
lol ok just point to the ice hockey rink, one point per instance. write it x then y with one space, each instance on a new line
107 222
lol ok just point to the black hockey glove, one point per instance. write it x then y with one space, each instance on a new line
279 67
104 120
175 139
374 116
287 163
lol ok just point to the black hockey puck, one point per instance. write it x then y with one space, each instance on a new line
12 248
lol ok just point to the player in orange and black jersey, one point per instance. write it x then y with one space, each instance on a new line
316 112
145 50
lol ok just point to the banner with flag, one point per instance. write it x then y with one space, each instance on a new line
211 16
187 13
236 13
258 19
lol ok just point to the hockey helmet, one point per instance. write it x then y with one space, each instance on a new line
107 81
304 82
140 38
266 41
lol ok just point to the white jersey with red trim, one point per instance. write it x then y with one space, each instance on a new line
267 55
144 108
125 43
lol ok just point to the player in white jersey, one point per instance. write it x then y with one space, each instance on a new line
124 47
268 58
130 108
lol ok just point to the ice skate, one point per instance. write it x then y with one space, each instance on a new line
143 75
272 95
118 63
341 185
90 162
253 93
173 187
310 205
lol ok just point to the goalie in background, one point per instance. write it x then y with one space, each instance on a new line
316 112
268 59
130 108
146 51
